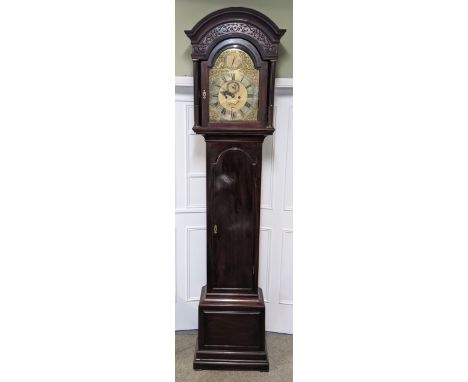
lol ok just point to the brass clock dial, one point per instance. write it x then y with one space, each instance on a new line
233 87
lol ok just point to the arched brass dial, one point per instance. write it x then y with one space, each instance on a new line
233 94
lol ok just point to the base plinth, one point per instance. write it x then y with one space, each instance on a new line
231 333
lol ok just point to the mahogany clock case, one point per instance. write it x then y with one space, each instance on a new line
231 316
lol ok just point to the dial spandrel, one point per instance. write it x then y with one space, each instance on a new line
233 82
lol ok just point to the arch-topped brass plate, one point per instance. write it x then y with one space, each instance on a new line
233 84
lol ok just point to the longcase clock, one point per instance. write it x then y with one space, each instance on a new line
234 53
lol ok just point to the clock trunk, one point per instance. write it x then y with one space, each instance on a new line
233 194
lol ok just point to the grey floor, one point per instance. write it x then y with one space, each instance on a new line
280 354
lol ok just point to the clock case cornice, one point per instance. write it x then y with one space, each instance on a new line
245 23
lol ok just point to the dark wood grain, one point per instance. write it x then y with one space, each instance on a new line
235 22
196 93
232 201
233 197
231 333
231 314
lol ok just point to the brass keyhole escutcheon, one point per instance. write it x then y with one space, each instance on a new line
204 94
215 229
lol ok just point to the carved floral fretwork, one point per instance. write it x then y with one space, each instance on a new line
236 27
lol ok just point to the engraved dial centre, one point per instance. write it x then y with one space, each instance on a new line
232 95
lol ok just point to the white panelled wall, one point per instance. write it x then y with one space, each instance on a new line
276 232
